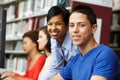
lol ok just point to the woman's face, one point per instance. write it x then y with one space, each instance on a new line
56 27
28 45
42 40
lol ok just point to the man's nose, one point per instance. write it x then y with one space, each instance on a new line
76 29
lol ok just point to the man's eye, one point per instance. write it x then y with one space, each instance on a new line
71 25
81 25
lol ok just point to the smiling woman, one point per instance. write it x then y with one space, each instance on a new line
57 28
62 48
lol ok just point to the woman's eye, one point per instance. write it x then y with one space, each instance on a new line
58 24
40 36
49 24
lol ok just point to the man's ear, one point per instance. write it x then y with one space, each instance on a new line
94 28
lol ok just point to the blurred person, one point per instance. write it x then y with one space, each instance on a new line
44 45
35 62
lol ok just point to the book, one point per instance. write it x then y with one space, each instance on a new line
28 7
20 8
22 27
115 22
2 70
36 23
43 21
38 6
31 22
16 64
11 28
11 12
19 46
116 5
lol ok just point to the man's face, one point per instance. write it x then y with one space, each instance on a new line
80 29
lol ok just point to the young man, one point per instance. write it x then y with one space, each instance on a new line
96 61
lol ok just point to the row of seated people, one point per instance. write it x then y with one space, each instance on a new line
62 48
34 44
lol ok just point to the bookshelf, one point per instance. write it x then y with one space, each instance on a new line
22 16
115 29
5 2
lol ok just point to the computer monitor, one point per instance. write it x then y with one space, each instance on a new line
2 35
